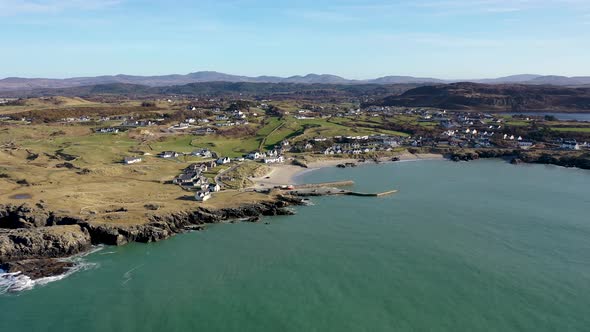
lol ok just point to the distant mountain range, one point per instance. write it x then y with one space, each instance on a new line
17 83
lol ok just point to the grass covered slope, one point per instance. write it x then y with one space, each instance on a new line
472 96
80 173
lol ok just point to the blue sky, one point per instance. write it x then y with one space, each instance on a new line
352 38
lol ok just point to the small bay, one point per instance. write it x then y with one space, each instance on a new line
480 246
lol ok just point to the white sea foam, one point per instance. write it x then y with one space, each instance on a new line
18 282
127 276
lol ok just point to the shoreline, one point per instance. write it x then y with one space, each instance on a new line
76 236
283 175
21 267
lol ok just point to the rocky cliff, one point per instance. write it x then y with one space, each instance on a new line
43 242
32 239
550 157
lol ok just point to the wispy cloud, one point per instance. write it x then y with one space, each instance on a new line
356 10
497 6
17 7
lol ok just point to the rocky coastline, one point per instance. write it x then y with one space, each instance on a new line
571 159
36 241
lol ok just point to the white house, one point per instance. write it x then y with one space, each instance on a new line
204 131
205 153
570 145
223 161
202 196
254 156
169 154
180 126
274 160
214 187
132 160
108 130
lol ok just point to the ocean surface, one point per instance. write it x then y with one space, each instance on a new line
480 246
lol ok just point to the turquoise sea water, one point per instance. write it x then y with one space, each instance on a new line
481 246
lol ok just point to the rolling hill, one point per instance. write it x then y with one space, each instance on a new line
486 97
17 83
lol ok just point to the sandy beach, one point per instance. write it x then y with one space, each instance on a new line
281 175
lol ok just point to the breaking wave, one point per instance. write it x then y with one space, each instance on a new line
17 282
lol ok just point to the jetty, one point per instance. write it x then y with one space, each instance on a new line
333 191
336 184
385 193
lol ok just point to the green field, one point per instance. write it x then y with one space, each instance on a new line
518 123
572 129
101 149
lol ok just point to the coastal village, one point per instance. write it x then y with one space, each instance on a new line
106 171
225 138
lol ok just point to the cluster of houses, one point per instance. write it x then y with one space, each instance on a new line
469 129
137 123
572 145
204 126
203 153
78 119
270 157
192 178
4 101
107 130
353 145
204 131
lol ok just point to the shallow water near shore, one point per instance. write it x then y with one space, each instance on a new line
481 246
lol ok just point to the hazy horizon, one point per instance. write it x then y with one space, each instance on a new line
447 39
288 76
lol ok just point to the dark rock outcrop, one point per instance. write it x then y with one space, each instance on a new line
161 227
578 160
38 268
25 216
42 242
464 156
549 157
